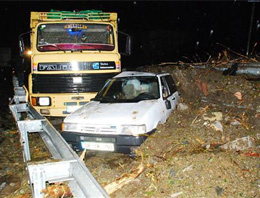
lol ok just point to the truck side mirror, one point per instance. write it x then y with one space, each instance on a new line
21 46
168 104
128 43
21 43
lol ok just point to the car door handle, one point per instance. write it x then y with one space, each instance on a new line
173 99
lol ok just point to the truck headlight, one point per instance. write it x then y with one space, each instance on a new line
44 101
133 129
41 101
69 126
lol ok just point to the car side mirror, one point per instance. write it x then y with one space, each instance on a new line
168 104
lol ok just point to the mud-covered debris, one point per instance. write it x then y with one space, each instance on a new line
2 186
217 126
240 144
124 179
252 154
176 194
187 168
235 122
184 140
203 86
238 95
214 116
219 190
258 109
182 106
9 184
57 190
200 112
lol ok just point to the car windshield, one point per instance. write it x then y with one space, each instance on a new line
129 89
75 37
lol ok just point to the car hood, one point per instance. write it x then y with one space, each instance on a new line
112 113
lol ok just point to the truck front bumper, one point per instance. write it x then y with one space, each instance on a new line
122 143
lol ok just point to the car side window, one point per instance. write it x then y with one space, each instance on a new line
171 84
165 88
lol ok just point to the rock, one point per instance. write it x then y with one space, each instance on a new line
182 107
176 194
258 109
232 121
2 186
219 190
235 123
22 191
217 126
187 168
240 144
217 116
185 142
172 173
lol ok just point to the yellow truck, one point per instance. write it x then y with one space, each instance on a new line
72 56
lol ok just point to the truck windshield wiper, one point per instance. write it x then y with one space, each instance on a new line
53 45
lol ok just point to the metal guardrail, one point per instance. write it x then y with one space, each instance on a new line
66 166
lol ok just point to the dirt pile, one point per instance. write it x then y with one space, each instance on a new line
13 178
186 160
212 88
210 149
209 146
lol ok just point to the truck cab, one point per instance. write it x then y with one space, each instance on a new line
73 54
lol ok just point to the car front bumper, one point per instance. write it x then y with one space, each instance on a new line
122 143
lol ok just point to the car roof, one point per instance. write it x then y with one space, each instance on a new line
137 73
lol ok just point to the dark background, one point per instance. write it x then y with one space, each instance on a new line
161 30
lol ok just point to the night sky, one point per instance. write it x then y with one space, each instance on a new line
162 31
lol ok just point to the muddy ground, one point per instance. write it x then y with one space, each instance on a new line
209 146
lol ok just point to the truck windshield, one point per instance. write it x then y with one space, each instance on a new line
129 89
75 37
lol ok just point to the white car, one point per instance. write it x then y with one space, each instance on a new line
127 109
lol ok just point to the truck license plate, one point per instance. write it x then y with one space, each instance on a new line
100 146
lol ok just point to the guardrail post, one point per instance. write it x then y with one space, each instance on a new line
24 141
26 127
39 181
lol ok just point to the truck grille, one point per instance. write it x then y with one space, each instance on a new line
63 83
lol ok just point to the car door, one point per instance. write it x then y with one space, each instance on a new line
167 96
174 95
